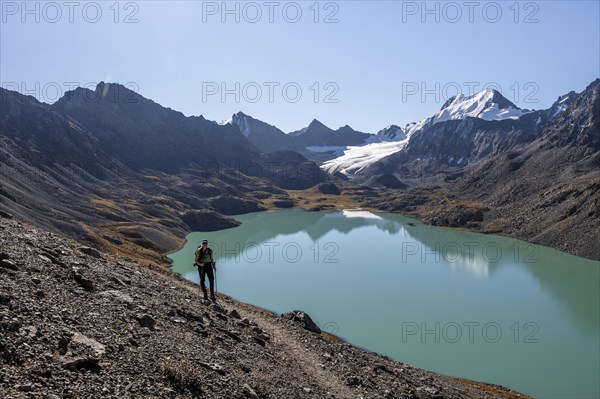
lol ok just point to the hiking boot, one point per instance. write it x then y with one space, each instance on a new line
213 298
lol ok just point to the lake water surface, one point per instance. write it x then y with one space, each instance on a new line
482 307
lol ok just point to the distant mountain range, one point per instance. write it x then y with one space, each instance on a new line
351 152
311 141
538 171
92 157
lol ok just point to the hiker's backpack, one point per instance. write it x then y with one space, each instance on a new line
208 251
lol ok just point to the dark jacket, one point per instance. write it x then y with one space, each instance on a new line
200 254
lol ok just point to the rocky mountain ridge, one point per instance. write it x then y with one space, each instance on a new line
544 190
119 171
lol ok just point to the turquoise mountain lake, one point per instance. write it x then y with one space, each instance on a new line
482 307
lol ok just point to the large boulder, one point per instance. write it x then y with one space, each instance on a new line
457 216
283 203
303 319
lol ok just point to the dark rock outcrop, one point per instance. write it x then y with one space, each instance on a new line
456 216
207 220
283 203
288 170
386 180
266 138
329 188
229 205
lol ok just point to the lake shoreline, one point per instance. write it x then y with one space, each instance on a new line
412 216
258 228
123 327
275 317
439 207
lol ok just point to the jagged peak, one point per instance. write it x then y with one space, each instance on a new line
391 133
105 87
565 97
391 127
561 104
447 103
235 119
238 117
345 128
242 121
104 91
315 123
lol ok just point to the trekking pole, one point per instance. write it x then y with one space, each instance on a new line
215 270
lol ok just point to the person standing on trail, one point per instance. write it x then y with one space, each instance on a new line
205 262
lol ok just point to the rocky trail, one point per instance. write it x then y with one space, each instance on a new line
78 323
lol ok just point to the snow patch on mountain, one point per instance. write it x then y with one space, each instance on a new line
242 121
562 104
335 149
356 158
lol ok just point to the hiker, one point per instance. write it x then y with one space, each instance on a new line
206 263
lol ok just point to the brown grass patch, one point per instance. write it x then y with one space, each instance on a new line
331 338
494 227
309 198
494 388
184 374
256 309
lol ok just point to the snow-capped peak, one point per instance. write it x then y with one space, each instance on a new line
487 104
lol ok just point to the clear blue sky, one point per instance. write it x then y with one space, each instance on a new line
377 58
